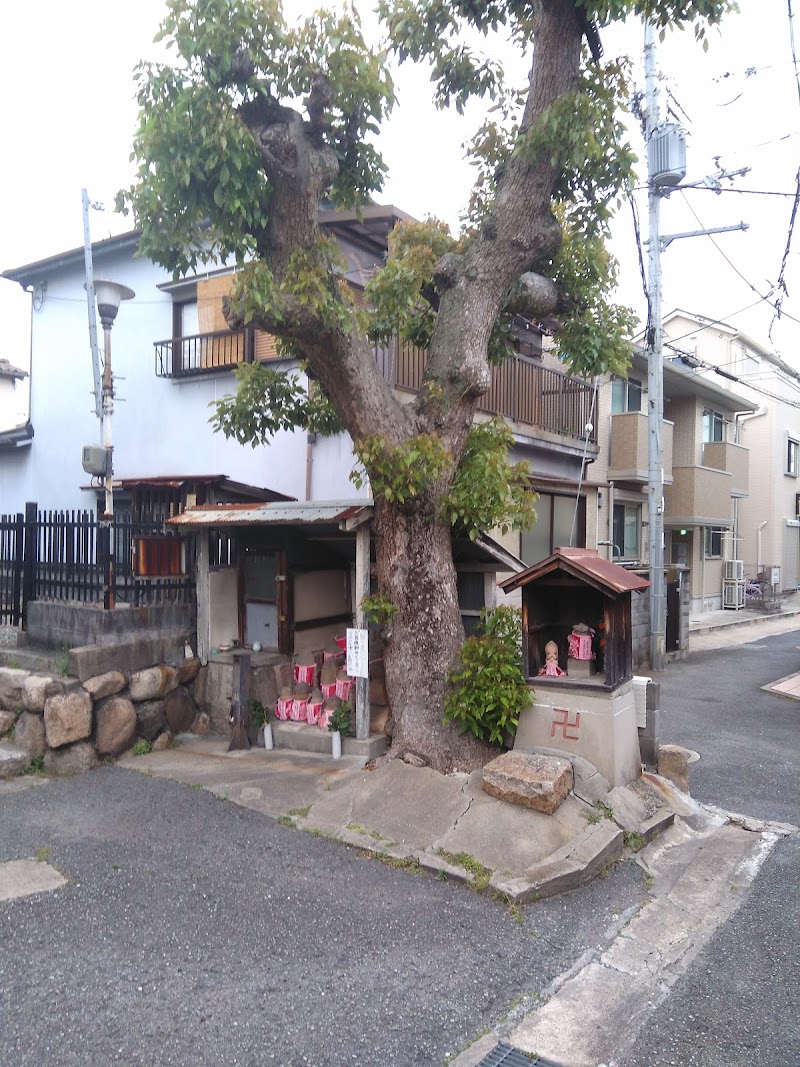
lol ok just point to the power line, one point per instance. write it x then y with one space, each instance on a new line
768 298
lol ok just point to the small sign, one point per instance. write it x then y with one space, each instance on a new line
775 576
358 653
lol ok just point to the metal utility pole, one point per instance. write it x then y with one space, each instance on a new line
89 266
655 375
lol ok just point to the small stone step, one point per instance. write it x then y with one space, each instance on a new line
13 759
31 658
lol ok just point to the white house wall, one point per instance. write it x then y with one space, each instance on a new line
160 425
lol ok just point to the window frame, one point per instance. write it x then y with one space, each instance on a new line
629 511
710 533
712 419
792 456
621 389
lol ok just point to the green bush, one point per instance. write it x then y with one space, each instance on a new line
487 690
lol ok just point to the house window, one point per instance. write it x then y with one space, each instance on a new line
712 541
627 523
626 395
555 516
713 426
471 599
792 457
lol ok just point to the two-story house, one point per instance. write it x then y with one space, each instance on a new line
173 355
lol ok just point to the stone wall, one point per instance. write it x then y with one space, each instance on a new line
68 724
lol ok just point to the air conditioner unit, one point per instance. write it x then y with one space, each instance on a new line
734 570
732 595
94 459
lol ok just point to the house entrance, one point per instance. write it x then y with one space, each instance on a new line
261 599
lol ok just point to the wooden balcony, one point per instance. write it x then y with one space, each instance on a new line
522 389
628 459
723 456
698 496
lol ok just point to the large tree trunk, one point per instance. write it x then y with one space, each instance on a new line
415 569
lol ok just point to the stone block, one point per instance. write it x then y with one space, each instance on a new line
37 688
151 718
162 742
12 687
673 764
68 718
29 733
105 685
153 683
75 759
180 710
533 780
115 725
188 669
7 721
13 759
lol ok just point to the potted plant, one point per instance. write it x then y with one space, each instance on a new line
340 726
260 716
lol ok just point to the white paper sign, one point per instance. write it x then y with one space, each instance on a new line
358 653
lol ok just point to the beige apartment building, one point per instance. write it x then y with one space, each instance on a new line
765 534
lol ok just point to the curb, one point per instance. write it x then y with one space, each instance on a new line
574 865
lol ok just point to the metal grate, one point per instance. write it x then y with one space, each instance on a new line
508 1056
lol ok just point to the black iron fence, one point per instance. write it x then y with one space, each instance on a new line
71 556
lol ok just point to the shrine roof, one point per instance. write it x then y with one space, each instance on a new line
582 563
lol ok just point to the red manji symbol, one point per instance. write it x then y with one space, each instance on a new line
562 720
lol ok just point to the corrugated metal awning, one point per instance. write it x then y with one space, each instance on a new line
274 513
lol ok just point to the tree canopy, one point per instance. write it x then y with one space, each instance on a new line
257 122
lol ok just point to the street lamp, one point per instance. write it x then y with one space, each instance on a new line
109 296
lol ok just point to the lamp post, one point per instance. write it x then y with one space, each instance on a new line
109 296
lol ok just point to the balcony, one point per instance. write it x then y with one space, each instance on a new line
628 460
205 353
522 389
698 496
723 456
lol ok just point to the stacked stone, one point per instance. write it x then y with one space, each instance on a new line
72 725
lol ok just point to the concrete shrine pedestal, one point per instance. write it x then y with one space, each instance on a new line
584 721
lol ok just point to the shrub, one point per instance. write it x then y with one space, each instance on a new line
342 720
487 690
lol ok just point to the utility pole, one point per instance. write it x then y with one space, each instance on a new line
655 374
666 169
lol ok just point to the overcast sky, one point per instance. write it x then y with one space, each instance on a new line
68 115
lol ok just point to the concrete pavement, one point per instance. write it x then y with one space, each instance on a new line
444 824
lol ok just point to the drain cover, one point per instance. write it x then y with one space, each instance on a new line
508 1056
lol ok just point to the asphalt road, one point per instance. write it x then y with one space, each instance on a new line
748 739
737 1004
195 932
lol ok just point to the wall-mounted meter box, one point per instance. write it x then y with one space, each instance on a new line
666 155
94 459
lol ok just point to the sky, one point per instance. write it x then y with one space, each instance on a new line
68 116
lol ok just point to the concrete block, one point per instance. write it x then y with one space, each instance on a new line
530 779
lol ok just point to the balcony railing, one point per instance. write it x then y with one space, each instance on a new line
522 389
203 353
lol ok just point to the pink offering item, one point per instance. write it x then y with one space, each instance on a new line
299 709
343 688
325 718
313 712
580 642
283 709
305 674
329 690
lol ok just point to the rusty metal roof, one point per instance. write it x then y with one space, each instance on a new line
585 563
273 513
